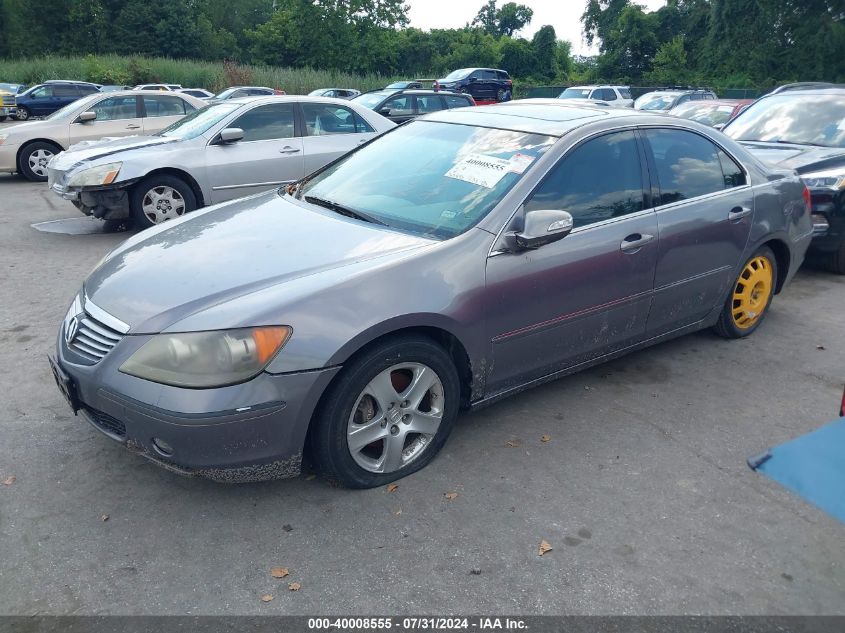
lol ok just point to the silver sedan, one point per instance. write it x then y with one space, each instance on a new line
224 151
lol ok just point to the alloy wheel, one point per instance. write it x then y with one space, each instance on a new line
38 161
162 203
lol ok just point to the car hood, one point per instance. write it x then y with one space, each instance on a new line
801 158
165 274
106 148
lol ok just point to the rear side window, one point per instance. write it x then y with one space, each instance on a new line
599 180
455 101
159 105
688 165
429 103
488 74
266 122
62 90
608 94
502 75
322 119
86 89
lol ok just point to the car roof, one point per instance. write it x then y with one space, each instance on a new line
807 91
533 117
285 98
591 86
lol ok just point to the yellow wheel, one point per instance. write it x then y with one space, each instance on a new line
749 300
752 292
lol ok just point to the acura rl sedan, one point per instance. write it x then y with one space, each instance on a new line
453 261
226 150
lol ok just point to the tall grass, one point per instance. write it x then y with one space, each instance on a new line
117 69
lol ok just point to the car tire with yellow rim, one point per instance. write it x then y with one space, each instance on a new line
750 297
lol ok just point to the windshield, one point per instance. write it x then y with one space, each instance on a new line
371 99
9 87
655 102
398 85
790 118
455 75
431 179
199 121
708 113
574 93
226 93
77 106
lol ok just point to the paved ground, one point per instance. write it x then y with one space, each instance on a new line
642 491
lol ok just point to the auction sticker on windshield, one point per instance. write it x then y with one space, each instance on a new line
480 169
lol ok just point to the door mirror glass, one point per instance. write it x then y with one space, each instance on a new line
384 111
541 227
85 117
231 135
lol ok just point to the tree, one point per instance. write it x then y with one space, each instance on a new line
670 63
517 57
512 17
544 46
485 19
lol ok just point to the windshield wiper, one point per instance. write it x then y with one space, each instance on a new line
339 208
785 142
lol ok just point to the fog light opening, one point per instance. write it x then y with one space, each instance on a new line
820 222
162 448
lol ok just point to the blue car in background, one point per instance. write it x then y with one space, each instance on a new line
46 98
484 84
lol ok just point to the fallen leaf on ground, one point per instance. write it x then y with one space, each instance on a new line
451 495
294 586
514 443
8 481
279 572
287 527
820 347
544 547
266 598
392 487
104 517
398 512
546 438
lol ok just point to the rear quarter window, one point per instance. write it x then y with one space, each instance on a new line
455 101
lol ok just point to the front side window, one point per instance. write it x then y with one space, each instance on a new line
43 91
608 94
323 118
157 105
116 108
266 122
599 180
399 106
688 165
428 178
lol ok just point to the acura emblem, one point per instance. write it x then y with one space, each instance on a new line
71 329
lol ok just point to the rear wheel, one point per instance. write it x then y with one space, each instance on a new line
159 198
388 413
835 261
749 301
33 159
500 95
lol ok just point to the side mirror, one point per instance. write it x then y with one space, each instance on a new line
471 79
541 227
87 116
384 111
231 135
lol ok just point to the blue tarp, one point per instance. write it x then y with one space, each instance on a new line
812 466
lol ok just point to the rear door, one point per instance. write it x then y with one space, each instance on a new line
456 101
116 116
161 110
429 103
271 153
64 94
704 213
330 132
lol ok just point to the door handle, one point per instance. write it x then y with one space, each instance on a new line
132 127
635 242
287 149
737 213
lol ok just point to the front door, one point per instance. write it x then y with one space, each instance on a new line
116 116
589 293
399 108
704 219
270 153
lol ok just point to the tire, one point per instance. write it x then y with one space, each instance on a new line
835 261
389 368
500 95
33 159
751 295
3 118
22 114
159 198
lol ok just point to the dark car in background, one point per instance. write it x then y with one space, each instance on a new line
804 130
484 84
403 105
46 98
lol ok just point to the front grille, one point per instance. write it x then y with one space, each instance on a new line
93 339
106 423
9 101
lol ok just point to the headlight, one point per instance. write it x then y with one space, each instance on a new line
207 359
829 179
102 175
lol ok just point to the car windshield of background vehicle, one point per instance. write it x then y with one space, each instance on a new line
371 99
657 103
800 119
457 75
431 179
575 93
9 87
81 105
199 121
706 113
226 93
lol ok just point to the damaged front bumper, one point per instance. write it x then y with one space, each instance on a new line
107 203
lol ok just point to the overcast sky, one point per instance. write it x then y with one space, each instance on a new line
564 15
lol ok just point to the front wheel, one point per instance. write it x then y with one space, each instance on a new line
388 414
749 301
33 159
159 198
22 114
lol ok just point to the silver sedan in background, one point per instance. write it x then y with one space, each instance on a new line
226 150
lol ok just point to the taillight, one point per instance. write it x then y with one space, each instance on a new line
472 100
508 83
808 200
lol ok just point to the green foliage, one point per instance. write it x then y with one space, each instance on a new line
507 20
670 63
544 47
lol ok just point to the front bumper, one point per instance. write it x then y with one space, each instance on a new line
108 203
254 431
9 157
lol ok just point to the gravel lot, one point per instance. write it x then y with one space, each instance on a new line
642 491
